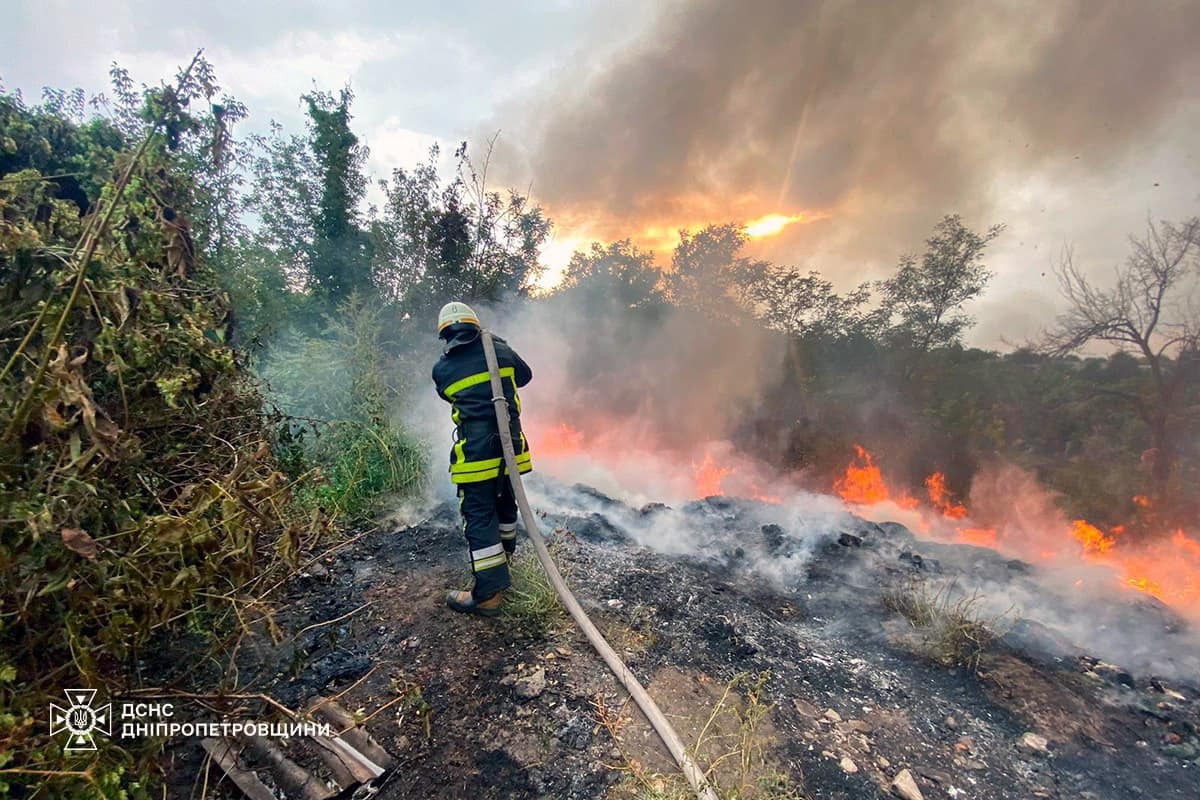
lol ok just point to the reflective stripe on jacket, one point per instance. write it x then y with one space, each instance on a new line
461 377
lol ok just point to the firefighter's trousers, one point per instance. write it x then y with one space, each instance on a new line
489 513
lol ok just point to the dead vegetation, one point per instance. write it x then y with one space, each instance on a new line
732 742
951 627
139 489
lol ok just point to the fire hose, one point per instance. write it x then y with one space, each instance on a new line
645 702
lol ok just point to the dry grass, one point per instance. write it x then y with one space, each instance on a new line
953 629
734 739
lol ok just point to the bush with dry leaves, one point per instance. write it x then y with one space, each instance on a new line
137 480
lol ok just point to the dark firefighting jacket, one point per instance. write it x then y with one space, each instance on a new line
461 377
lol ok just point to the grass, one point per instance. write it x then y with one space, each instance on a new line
531 605
362 463
733 737
954 631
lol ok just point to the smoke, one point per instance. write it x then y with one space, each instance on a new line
879 118
633 404
1053 611
646 407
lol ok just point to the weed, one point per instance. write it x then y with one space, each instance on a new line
338 392
733 737
531 604
415 704
954 631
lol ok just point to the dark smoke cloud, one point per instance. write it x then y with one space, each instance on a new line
887 115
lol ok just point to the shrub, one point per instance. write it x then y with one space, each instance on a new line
137 480
338 392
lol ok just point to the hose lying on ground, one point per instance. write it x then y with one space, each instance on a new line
646 703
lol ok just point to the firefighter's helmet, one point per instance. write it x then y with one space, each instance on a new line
454 313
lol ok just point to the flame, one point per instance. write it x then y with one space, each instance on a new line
770 225
863 483
1091 537
1168 569
621 456
1141 501
560 440
1189 547
758 494
708 476
980 537
941 498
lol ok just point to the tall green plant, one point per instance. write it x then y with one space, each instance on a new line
341 390
136 477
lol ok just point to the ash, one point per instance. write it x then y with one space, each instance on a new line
1073 699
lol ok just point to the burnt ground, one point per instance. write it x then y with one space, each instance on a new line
462 701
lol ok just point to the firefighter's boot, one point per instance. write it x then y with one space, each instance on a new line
465 603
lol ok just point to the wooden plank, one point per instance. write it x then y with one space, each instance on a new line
338 751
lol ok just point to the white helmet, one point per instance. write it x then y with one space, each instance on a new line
455 312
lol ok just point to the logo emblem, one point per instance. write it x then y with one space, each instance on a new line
80 719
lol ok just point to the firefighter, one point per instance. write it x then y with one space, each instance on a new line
485 495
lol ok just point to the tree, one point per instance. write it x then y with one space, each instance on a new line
619 274
509 233
706 270
341 250
925 297
434 243
306 191
805 305
284 194
1151 311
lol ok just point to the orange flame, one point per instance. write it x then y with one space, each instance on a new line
1166 569
1091 537
863 483
1189 547
708 476
761 496
980 537
941 498
561 440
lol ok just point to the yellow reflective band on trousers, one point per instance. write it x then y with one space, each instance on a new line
488 557
478 378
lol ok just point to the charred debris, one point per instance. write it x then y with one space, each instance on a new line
850 659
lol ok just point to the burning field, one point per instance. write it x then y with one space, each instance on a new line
659 416
1083 572
1020 520
827 644
880 632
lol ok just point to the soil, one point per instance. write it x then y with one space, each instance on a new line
846 701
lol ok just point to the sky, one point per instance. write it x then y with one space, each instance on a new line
1072 122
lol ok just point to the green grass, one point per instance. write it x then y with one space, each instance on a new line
531 604
361 464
